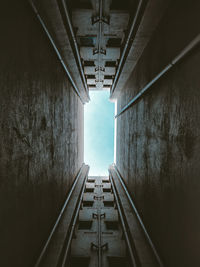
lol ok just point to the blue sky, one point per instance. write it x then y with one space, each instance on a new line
99 133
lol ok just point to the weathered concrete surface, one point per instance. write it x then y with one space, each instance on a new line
50 12
158 141
41 146
151 17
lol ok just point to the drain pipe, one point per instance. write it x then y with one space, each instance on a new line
69 24
133 28
56 50
126 235
138 217
68 244
182 54
44 250
99 49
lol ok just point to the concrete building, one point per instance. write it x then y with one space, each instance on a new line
147 54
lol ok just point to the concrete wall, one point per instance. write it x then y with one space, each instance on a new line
41 146
158 141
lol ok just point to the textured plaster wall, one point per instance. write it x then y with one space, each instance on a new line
158 139
41 135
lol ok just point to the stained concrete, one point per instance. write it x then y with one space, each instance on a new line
41 136
158 138
51 12
150 18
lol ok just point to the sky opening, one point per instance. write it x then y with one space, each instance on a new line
99 133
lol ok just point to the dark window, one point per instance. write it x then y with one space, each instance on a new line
119 4
106 189
108 204
85 4
105 181
114 42
117 262
108 76
110 64
90 76
84 225
89 63
88 203
87 41
92 86
90 180
89 189
111 225
79 261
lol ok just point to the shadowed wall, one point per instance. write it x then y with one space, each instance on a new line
41 135
158 138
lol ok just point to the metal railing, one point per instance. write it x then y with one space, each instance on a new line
68 20
68 244
126 235
42 254
182 54
57 51
133 30
138 217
